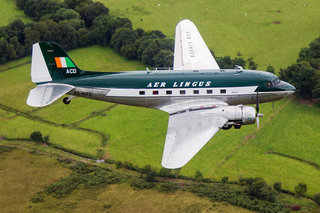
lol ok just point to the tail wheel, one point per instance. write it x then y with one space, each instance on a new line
66 100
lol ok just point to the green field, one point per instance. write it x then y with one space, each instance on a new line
229 27
137 135
9 12
23 174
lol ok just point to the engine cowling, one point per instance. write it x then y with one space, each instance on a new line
238 115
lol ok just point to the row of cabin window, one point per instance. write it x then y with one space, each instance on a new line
182 92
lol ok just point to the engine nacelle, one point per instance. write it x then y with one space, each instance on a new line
237 115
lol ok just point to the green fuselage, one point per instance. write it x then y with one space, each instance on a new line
158 88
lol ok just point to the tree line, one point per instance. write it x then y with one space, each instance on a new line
305 74
79 23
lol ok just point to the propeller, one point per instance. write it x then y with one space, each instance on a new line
257 108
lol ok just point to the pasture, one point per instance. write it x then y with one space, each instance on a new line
272 32
10 12
23 174
137 135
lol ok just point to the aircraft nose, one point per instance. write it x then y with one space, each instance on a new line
288 87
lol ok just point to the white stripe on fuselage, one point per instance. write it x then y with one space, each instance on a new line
176 91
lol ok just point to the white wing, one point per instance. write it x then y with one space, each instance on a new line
190 51
187 133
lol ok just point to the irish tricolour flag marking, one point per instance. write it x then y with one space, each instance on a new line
64 62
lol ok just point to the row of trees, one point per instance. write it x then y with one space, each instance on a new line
305 74
78 23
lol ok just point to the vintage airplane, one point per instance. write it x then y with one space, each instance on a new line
200 97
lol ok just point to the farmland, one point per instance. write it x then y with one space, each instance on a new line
282 150
10 12
271 32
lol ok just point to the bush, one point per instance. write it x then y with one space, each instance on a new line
151 175
168 187
141 184
165 173
110 161
119 165
37 199
277 186
225 179
107 206
300 190
198 176
316 198
36 136
100 178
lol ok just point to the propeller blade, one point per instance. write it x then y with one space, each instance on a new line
257 120
257 103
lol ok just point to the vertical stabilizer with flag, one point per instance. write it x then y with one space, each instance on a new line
51 63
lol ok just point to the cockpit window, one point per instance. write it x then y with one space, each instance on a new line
276 81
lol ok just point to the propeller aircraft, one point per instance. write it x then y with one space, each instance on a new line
199 97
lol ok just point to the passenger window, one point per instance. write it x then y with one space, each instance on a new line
195 91
182 92
209 91
169 92
155 92
141 92
223 91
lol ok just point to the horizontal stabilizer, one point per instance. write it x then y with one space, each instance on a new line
45 94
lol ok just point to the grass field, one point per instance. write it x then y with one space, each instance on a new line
9 12
137 135
23 175
229 27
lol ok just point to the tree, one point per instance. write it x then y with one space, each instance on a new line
122 36
270 69
84 37
225 179
94 10
259 188
302 76
300 190
105 26
165 172
251 64
36 136
277 186
316 198
151 175
164 58
198 176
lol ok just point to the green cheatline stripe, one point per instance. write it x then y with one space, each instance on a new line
69 62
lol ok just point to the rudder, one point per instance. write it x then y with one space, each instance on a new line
50 62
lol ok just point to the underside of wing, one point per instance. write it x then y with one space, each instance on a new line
45 94
187 133
190 51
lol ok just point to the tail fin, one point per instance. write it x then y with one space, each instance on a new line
50 62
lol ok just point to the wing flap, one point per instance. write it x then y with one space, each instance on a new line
187 133
190 51
45 94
